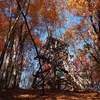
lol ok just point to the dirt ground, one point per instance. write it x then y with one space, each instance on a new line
36 94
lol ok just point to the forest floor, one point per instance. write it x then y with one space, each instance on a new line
36 94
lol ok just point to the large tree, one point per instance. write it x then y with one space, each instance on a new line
86 29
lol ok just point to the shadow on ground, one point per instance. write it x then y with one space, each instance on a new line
36 94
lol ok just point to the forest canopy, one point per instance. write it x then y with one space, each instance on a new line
50 44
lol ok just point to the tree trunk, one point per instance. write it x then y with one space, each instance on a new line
7 62
53 72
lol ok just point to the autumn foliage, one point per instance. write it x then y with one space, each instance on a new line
25 26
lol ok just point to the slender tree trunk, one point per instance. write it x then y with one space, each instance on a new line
53 71
8 73
3 78
20 57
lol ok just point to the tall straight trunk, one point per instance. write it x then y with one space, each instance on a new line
14 70
53 71
8 73
19 71
10 33
15 65
7 62
12 58
10 76
11 64
20 57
